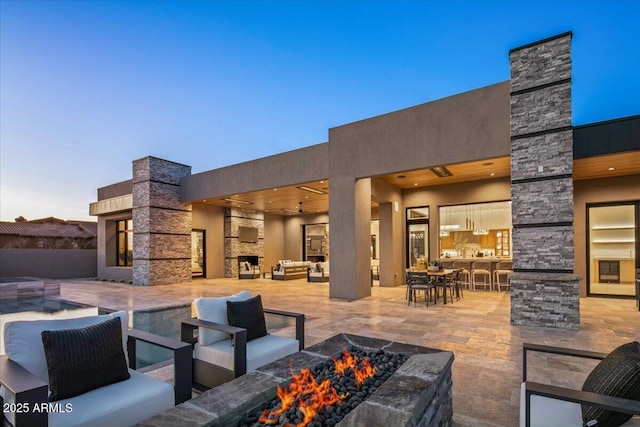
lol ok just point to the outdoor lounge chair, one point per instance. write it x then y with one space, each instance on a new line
222 351
610 394
77 371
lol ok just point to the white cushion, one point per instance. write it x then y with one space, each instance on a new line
23 339
260 351
120 404
547 412
215 310
278 273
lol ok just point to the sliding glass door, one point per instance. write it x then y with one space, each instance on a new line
613 239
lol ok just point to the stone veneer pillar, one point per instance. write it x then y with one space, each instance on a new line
544 290
161 223
233 247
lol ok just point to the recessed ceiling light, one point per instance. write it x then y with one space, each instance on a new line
269 201
612 169
204 201
493 174
415 183
275 189
306 197
321 182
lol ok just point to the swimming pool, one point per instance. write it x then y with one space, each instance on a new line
39 308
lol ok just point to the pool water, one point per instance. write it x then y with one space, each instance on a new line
40 308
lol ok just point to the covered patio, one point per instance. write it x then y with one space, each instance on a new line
477 329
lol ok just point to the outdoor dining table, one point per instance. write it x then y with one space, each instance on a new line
439 279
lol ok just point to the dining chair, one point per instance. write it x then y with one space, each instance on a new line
407 279
482 269
453 283
419 282
465 277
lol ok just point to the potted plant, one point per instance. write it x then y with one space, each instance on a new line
434 265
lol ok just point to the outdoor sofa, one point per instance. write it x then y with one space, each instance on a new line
290 270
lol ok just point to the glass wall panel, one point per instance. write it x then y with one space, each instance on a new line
418 237
124 249
475 230
613 233
197 253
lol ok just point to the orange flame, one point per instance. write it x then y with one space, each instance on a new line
312 397
349 361
367 371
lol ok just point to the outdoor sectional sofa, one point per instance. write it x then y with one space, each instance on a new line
318 272
290 270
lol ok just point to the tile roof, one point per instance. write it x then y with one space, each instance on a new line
51 228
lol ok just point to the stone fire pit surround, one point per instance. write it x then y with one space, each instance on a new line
417 394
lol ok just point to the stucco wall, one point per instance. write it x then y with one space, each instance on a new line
211 219
48 263
289 168
273 240
466 127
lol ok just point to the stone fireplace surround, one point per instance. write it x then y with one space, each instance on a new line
417 394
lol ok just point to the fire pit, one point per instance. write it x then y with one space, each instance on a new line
331 391
375 383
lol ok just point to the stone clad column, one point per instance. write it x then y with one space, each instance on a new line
234 218
544 290
161 223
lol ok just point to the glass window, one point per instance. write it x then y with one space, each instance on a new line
613 233
475 230
124 247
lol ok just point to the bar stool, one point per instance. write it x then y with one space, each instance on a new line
464 277
482 269
503 268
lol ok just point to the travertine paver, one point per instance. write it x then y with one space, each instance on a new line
487 348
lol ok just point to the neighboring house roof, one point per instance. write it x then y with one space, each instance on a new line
50 227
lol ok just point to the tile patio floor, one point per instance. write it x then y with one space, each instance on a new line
488 355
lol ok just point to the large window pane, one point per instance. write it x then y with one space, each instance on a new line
612 236
475 230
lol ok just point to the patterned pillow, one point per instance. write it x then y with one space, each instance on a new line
249 315
80 360
618 375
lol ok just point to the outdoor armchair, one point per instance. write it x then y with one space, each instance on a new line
74 372
229 342
609 396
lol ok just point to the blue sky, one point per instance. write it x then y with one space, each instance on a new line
88 86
